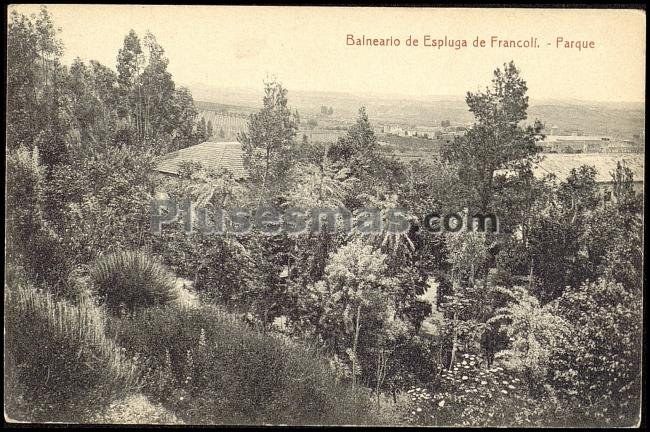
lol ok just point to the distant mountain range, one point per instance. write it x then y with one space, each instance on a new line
618 119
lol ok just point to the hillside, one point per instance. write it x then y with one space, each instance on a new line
616 119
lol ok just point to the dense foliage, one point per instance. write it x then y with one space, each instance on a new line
198 359
60 361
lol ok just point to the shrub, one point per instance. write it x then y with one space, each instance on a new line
59 360
131 280
202 358
599 366
99 200
31 242
468 395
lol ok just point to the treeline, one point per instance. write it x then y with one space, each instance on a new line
57 108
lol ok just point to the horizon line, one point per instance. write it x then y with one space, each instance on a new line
407 96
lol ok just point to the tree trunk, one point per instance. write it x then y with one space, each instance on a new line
454 341
354 347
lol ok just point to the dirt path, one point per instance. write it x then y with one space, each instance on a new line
136 409
186 296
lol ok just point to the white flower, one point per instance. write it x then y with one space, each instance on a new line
464 377
483 382
441 403
418 409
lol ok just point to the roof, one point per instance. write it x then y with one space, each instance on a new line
553 138
561 164
211 155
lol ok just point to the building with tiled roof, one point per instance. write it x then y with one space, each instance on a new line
605 163
211 155
561 164
587 144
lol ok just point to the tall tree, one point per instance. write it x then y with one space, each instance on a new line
269 145
496 141
37 110
157 90
130 61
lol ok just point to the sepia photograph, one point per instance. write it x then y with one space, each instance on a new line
324 215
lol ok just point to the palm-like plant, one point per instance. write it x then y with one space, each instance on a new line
320 185
390 238
534 331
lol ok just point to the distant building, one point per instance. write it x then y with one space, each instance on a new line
396 130
560 165
322 135
605 164
583 144
429 130
624 146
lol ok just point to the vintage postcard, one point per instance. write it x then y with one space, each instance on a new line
274 215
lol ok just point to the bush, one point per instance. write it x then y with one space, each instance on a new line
199 359
31 241
599 367
131 280
468 395
60 364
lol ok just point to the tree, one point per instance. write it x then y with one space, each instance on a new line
92 94
496 141
210 129
358 147
202 130
269 145
130 62
158 115
579 192
183 116
623 189
100 201
467 255
359 151
37 110
354 304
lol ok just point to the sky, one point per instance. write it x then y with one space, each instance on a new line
305 47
